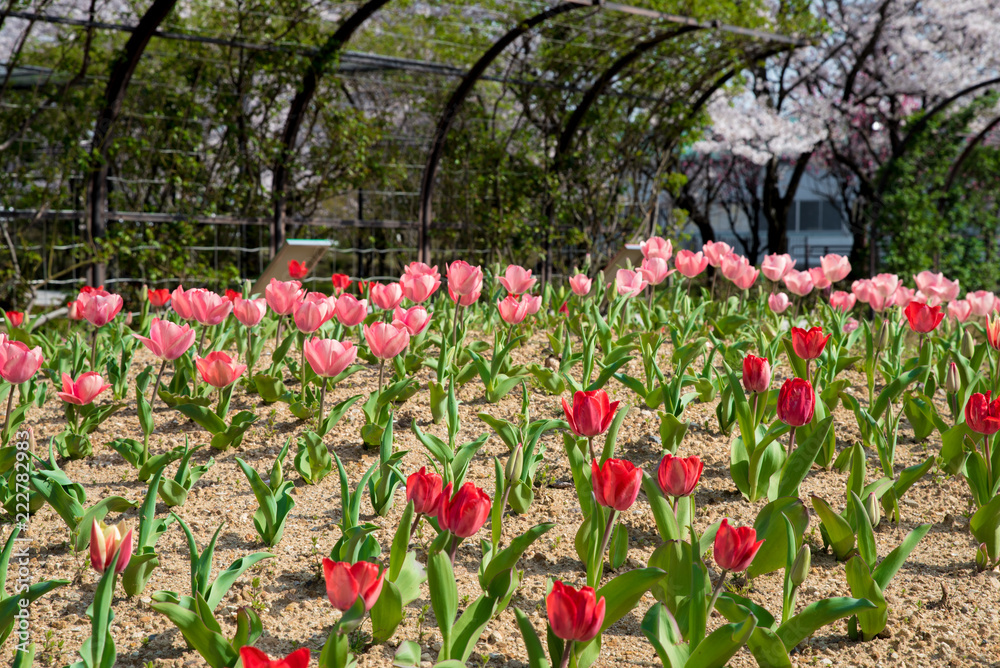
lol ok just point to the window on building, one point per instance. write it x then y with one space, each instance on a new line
815 215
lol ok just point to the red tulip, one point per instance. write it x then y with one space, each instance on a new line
592 413
283 296
14 318
796 402
350 311
329 357
219 369
616 483
678 476
983 415
108 543
466 512
167 340
574 614
386 340
18 363
564 309
517 280
231 295
809 344
158 298
249 311
735 548
83 390
346 582
254 658
386 296
424 490
415 319
297 269
340 282
74 310
756 374
923 318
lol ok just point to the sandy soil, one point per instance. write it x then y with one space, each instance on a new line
925 628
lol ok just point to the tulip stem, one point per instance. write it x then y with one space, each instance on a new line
10 405
250 359
93 351
986 455
590 445
604 542
454 549
715 593
791 441
567 653
454 329
156 385
416 523
201 341
322 401
277 332
381 371
302 363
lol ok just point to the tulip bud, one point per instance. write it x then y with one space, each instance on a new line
883 336
968 345
873 510
951 380
515 464
800 568
982 558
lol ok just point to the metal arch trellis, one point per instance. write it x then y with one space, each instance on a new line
97 201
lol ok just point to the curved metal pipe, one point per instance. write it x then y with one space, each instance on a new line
303 97
455 103
114 97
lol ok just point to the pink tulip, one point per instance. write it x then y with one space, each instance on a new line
655 270
283 296
981 302
862 290
936 287
513 310
99 310
798 282
842 301
819 279
715 251
209 308
17 362
464 279
746 278
851 325
690 264
329 357
350 311
517 280
534 303
656 247
167 340
419 281
249 311
733 265
385 340
836 267
464 300
960 309
313 312
386 296
886 284
778 302
903 296
181 304
775 266
415 319
580 285
219 369
74 310
629 283
83 390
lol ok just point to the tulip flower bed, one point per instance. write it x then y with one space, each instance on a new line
665 470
